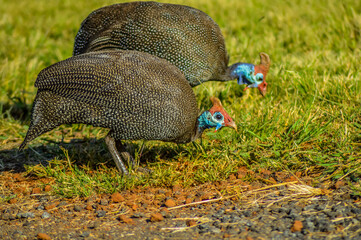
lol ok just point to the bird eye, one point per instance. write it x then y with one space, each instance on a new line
259 77
218 116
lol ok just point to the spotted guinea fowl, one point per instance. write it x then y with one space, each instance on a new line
134 94
186 37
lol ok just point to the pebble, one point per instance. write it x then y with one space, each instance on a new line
63 203
138 215
43 236
247 213
50 206
77 208
101 213
47 188
125 219
117 198
104 202
156 217
41 207
283 220
170 203
191 223
26 224
85 234
25 215
204 226
94 225
215 230
297 226
89 207
161 191
45 215
36 191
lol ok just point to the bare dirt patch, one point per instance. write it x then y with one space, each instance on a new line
275 205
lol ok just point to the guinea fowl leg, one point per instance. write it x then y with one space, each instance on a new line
124 151
128 157
112 146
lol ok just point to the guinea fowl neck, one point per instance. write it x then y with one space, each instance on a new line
202 124
236 71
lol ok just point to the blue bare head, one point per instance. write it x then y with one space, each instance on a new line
216 117
254 76
245 74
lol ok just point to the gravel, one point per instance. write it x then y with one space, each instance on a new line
45 215
101 213
333 216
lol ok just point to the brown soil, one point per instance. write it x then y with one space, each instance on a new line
232 209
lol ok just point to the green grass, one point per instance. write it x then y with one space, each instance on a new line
310 121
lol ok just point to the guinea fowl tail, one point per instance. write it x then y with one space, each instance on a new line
40 122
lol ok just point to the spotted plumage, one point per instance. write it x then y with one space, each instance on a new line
136 95
186 37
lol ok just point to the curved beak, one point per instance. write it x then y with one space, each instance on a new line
263 68
263 88
231 124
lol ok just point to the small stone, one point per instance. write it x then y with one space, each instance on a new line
232 177
164 211
85 234
18 232
125 219
176 188
356 210
89 207
138 215
45 215
297 226
339 184
77 208
156 217
101 213
249 238
226 235
129 203
191 223
13 200
170 203
5 216
161 191
36 191
27 223
63 203
94 225
28 215
50 206
43 236
104 202
47 188
215 230
247 213
188 200
117 198
204 226
242 172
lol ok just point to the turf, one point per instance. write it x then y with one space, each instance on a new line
309 122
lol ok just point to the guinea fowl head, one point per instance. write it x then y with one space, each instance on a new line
251 75
215 117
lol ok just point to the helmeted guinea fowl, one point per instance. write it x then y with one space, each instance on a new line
134 94
186 37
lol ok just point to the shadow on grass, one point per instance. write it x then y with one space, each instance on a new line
91 152
16 108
